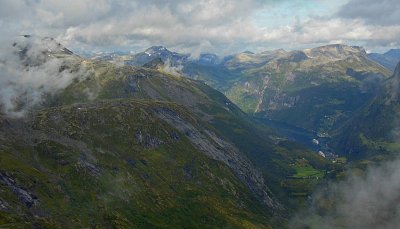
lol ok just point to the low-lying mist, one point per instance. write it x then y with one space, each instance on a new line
30 70
362 201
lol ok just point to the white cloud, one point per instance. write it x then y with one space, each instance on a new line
361 201
27 75
183 25
222 26
383 12
319 31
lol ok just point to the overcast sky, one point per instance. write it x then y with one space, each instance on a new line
195 26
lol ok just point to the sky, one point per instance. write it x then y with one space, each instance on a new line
200 26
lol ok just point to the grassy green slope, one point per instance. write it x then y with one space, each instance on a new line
115 164
134 147
216 112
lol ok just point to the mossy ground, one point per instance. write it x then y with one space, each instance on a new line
97 155
90 171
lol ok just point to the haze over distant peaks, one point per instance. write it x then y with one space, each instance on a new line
389 59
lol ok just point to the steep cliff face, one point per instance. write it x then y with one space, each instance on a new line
315 89
374 129
121 163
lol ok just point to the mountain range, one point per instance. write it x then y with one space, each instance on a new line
322 93
315 89
126 146
159 139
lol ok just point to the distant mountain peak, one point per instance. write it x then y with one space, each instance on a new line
339 48
34 51
389 59
275 51
336 51
393 53
157 50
